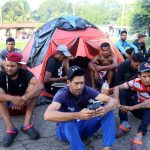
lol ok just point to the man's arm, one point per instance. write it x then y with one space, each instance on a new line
92 62
66 65
6 97
34 89
119 46
132 46
52 114
49 79
111 102
143 105
114 65
116 92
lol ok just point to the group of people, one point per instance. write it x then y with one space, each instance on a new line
70 105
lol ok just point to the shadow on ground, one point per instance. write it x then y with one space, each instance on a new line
48 140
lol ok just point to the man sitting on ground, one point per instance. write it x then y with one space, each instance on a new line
140 108
75 121
56 68
122 45
103 65
128 70
18 91
10 47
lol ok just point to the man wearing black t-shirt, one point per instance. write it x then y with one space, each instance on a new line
127 71
18 91
140 43
55 68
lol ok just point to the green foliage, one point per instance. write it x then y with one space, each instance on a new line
16 11
52 9
141 16
100 12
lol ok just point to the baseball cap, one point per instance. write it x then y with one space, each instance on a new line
141 36
73 70
15 57
144 67
64 50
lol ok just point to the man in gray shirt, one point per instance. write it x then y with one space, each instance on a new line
10 47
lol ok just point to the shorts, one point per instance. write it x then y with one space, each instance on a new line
15 112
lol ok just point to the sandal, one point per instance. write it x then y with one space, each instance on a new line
137 143
31 132
122 130
9 137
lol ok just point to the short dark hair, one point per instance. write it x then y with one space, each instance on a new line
105 44
77 74
138 57
124 31
10 39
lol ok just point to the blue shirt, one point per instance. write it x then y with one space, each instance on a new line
4 53
122 45
70 103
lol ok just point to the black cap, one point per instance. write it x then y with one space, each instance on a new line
144 67
141 36
74 70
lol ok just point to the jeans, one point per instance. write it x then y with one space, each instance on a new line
74 131
129 99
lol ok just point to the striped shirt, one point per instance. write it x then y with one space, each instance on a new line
143 92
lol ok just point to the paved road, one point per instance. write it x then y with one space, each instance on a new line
49 142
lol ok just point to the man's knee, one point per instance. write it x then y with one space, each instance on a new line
109 116
70 124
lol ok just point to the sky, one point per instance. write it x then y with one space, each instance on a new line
34 4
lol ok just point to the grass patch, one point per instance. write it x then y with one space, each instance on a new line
19 44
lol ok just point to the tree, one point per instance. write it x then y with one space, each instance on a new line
141 17
51 9
16 11
98 12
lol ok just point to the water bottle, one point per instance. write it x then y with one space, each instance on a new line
105 88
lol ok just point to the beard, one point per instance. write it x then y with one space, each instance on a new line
13 75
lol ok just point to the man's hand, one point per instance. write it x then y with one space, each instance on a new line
125 108
86 114
99 112
18 102
98 67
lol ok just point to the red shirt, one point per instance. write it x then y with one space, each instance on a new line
143 92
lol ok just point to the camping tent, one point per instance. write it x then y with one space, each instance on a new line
81 37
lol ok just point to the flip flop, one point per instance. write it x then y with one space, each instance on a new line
137 143
9 137
122 130
31 132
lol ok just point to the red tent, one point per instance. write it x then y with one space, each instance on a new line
81 42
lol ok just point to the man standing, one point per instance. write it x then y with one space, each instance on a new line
56 67
18 91
122 45
139 108
10 47
103 65
74 120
